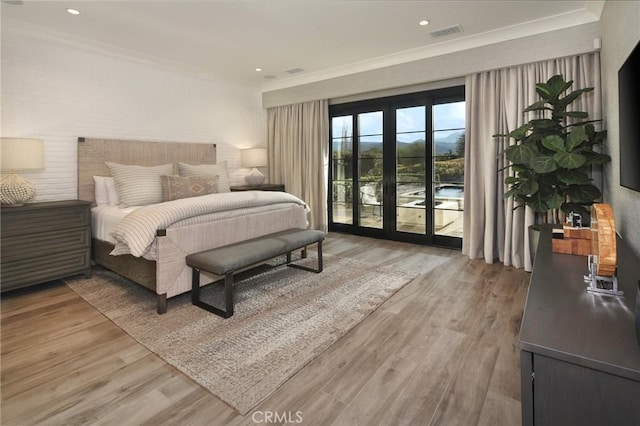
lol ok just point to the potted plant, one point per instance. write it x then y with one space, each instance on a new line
553 155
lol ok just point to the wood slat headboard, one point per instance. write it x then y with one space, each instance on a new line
92 154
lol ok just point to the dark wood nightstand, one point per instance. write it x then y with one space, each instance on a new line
263 187
44 242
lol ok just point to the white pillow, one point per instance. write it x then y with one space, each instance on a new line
112 193
101 196
219 170
138 185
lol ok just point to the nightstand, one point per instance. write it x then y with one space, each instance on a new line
44 242
263 187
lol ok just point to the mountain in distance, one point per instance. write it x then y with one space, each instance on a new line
443 145
447 144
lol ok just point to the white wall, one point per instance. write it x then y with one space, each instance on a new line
59 89
620 32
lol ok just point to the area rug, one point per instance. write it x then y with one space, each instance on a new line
284 318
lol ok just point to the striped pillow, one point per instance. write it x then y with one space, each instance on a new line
219 170
138 185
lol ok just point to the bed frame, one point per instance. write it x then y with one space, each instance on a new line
169 275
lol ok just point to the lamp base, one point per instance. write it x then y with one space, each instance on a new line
255 177
15 191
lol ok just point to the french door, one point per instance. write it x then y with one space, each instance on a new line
397 168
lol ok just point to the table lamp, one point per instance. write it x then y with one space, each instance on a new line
252 158
19 154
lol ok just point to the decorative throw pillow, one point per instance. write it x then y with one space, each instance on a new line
138 185
112 193
219 170
100 191
177 187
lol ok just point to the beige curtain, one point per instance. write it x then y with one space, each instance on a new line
495 101
297 141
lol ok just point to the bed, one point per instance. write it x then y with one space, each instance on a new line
165 271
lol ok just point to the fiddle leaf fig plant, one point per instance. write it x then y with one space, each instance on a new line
552 157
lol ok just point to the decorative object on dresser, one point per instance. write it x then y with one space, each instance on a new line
19 154
576 241
44 242
252 158
602 278
262 187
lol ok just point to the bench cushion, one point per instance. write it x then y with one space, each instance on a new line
244 253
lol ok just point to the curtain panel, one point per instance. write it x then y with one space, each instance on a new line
495 101
297 141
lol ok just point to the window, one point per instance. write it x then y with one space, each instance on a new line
397 168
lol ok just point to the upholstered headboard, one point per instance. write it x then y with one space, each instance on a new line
92 154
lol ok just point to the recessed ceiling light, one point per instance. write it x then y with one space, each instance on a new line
73 11
258 69
423 22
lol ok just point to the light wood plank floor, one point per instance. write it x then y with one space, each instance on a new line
441 351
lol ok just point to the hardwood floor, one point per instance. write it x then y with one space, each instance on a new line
441 351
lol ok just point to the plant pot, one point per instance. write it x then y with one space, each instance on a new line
534 238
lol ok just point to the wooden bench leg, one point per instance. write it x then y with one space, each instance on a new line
228 294
305 268
162 304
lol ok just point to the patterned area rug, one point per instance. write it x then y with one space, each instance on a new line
284 318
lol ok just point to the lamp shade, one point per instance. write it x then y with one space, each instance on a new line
21 154
253 157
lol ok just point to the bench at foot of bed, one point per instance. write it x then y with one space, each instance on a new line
229 259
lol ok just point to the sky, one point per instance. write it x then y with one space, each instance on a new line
446 116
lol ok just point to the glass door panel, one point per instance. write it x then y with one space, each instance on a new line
411 169
370 164
342 169
448 155
397 167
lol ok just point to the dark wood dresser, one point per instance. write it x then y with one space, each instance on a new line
42 242
580 356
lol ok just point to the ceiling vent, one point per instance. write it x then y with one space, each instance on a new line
447 31
294 70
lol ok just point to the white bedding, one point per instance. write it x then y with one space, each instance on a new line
104 218
136 231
